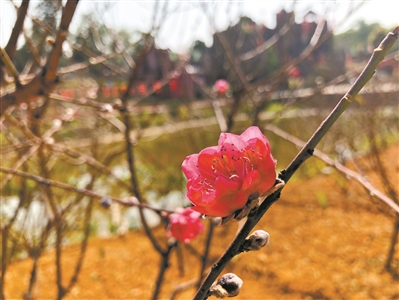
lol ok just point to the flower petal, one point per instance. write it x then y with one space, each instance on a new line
190 166
206 159
222 178
253 132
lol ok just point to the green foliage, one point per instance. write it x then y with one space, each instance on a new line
358 38
160 159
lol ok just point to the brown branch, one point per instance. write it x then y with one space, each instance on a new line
182 287
35 254
57 218
306 152
6 60
106 63
11 46
348 172
204 258
33 50
83 247
56 126
165 255
84 65
44 82
84 243
61 185
50 72
5 229
368 72
163 82
85 51
21 126
270 42
392 246
380 168
81 101
91 161
315 42
239 93
58 254
128 140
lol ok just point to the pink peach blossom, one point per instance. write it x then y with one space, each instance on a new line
221 86
184 225
221 178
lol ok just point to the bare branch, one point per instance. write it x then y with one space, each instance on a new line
348 172
6 60
84 65
50 73
11 46
305 153
61 185
270 42
44 82
33 50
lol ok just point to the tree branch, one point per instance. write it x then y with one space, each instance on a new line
58 184
340 167
52 63
44 82
11 46
305 153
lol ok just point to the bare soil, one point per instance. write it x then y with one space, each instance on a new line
334 249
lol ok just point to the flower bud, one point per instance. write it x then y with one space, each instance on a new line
106 202
50 40
107 108
255 241
217 221
229 285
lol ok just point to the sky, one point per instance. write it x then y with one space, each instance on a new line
188 21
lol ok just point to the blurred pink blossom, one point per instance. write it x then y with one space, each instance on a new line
221 86
184 225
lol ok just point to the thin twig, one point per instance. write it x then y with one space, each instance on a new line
6 60
58 184
270 42
56 126
129 143
350 173
162 269
84 243
55 56
204 258
11 46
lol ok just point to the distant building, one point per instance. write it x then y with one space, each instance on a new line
245 42
212 63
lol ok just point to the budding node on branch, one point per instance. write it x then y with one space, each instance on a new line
257 240
229 285
50 41
106 202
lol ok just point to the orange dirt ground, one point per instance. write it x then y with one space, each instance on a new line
335 252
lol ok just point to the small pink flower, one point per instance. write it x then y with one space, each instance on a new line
221 178
221 86
184 225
